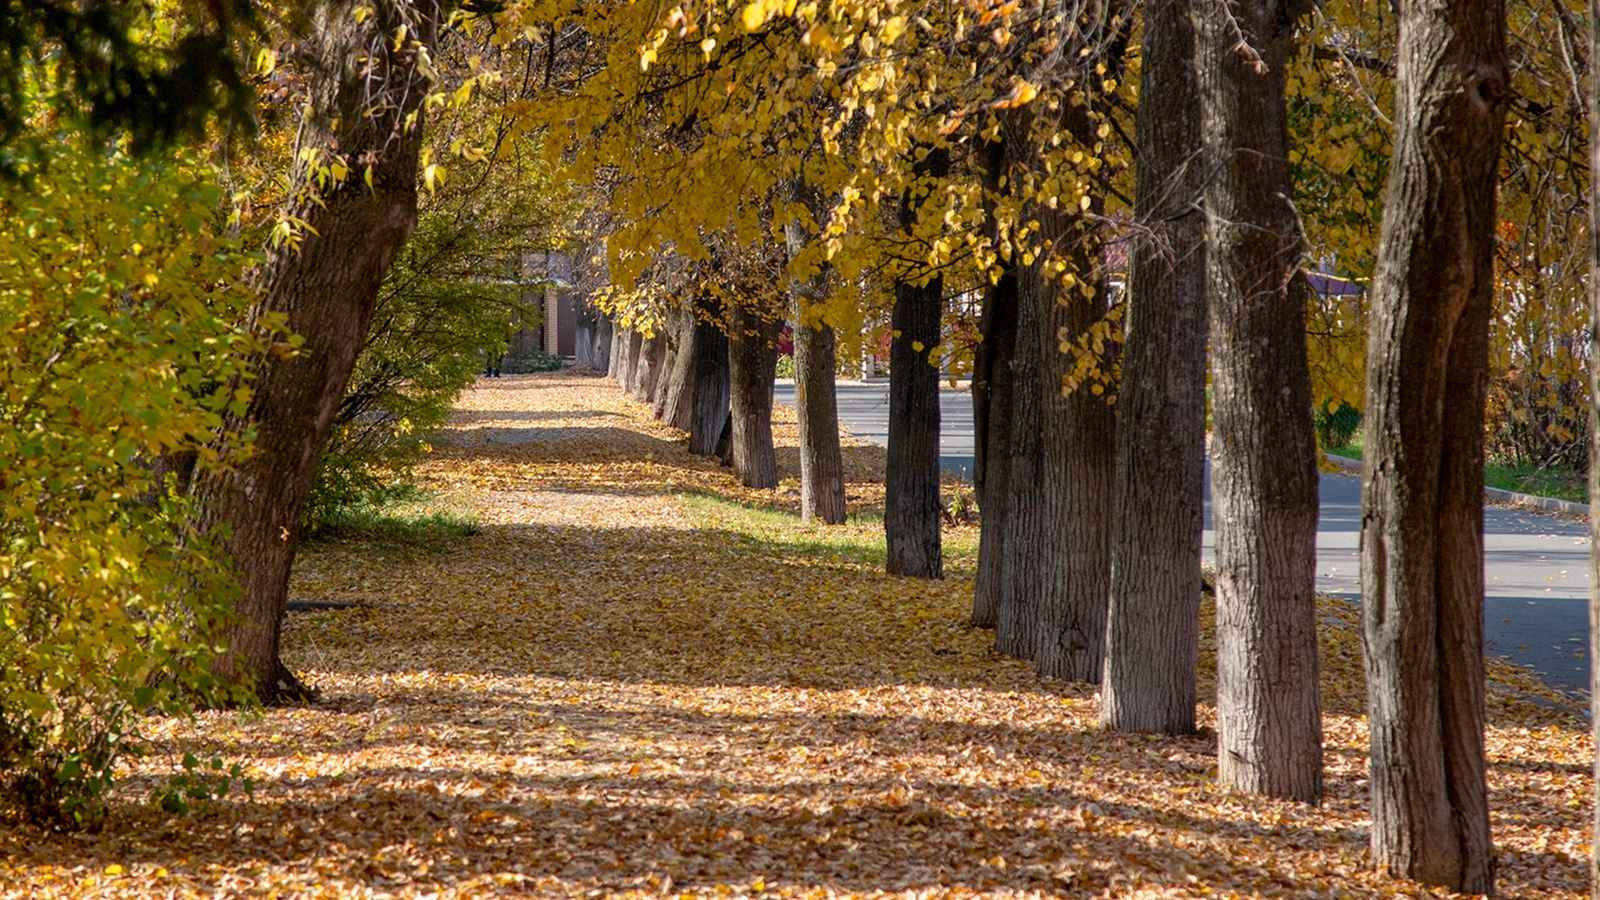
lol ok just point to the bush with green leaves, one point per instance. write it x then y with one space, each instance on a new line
1337 427
537 361
122 344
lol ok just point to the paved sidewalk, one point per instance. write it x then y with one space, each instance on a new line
1536 564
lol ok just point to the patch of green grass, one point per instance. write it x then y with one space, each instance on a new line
858 543
412 521
1349 451
1560 482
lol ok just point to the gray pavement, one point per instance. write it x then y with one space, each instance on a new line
1536 564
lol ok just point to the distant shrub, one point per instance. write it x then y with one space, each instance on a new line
537 361
1337 428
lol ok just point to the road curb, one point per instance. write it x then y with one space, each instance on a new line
1503 496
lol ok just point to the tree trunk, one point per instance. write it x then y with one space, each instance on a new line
591 337
650 361
1422 491
1161 416
708 387
1057 577
992 382
821 457
678 405
1264 470
673 332
672 402
326 287
911 510
1594 449
624 363
816 394
753 365
724 451
635 361
601 354
1055 582
619 343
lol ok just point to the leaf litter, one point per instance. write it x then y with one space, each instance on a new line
640 679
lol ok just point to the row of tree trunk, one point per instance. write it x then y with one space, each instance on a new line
709 372
1089 560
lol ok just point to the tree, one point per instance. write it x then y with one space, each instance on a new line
992 379
1161 424
356 199
121 67
594 338
750 282
816 395
707 107
709 386
652 353
1056 569
1263 450
752 369
1422 491
676 401
911 510
454 293
1594 446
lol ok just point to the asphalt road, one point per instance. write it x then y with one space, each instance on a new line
1536 564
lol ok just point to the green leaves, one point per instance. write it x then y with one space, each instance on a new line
120 338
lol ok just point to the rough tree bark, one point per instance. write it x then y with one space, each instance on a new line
911 509
671 399
991 409
708 387
1422 490
627 355
362 88
752 368
1056 581
816 394
673 333
678 401
650 362
821 457
614 362
1263 449
1594 450
634 361
619 355
592 337
1161 416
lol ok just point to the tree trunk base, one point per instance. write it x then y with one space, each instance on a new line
286 689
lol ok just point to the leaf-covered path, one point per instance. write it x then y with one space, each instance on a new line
639 679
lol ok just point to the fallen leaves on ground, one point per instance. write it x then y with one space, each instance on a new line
639 679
